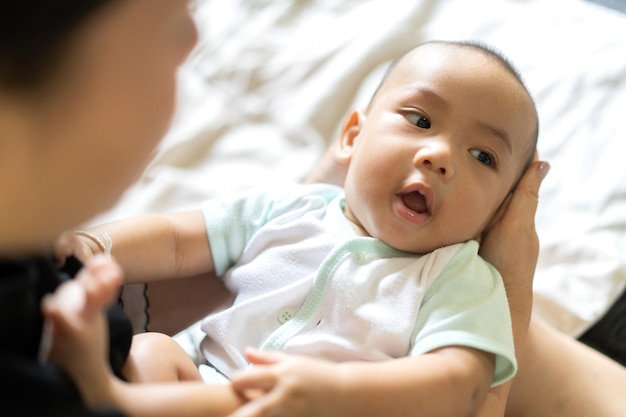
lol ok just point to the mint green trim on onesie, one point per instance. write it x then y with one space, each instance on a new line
290 329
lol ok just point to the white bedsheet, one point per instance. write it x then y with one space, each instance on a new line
271 81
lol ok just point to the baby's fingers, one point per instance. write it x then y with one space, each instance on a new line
254 381
267 405
260 377
69 244
264 357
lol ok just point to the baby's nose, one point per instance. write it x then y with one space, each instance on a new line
436 157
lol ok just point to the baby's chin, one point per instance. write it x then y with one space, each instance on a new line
418 248
421 247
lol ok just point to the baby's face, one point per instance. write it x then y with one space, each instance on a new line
439 149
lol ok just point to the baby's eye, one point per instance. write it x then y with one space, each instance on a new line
423 122
419 121
483 157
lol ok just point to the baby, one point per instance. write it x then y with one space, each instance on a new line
379 283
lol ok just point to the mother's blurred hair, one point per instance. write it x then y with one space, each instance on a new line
34 38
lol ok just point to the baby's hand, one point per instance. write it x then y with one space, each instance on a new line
76 312
286 385
70 244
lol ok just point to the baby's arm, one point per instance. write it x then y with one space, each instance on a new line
451 381
150 247
76 311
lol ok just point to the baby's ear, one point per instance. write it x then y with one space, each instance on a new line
349 133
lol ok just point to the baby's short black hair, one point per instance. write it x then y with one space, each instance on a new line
491 52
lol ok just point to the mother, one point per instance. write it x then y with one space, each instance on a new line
87 89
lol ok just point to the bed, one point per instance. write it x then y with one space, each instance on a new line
270 81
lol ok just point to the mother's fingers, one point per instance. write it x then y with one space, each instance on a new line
525 196
101 278
96 286
512 235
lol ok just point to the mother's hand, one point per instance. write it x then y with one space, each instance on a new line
511 245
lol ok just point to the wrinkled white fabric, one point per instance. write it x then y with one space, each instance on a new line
271 82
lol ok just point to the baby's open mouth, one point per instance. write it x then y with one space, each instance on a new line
415 201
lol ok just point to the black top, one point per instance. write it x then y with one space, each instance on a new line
28 387
608 335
